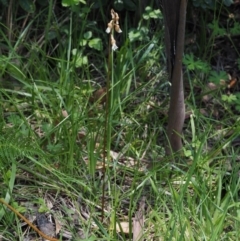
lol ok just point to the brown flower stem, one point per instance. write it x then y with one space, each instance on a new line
106 127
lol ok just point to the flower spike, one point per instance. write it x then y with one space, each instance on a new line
113 25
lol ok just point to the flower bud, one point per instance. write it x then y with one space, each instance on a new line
110 26
112 14
117 28
113 43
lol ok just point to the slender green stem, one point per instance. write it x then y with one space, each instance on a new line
107 127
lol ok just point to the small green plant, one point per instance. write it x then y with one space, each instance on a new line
232 100
216 77
95 43
79 58
216 30
194 64
142 31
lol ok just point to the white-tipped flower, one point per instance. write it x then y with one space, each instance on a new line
113 43
114 23
116 18
114 47
117 28
110 26
108 30
112 14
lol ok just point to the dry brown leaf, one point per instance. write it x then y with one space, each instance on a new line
81 134
115 155
232 83
49 203
122 227
211 87
64 113
58 226
138 222
99 96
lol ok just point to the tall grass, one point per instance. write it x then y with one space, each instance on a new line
52 142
